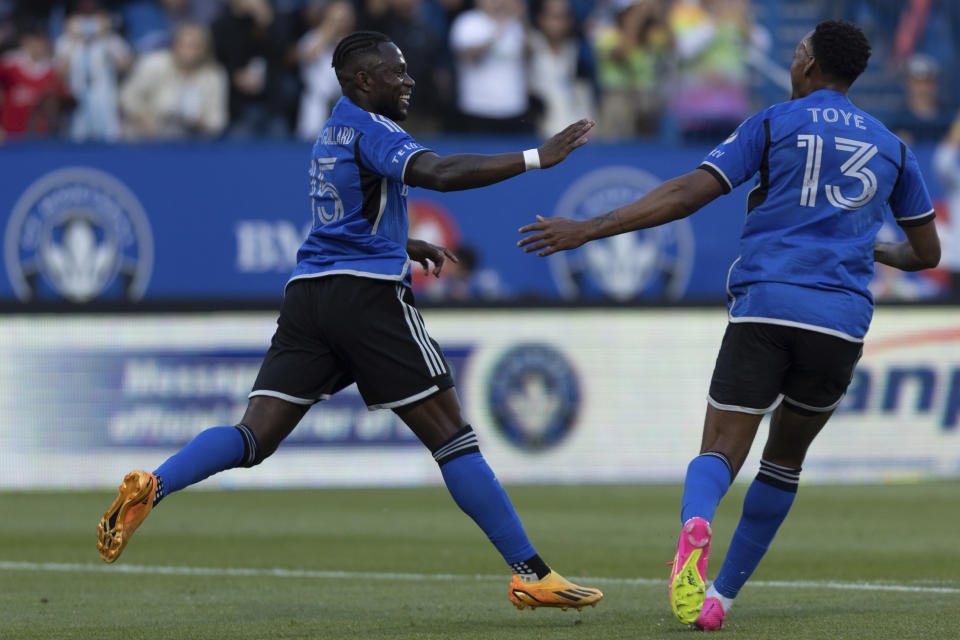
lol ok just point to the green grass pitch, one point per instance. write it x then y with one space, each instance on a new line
866 562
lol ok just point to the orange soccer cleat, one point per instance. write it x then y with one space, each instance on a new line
131 506
553 590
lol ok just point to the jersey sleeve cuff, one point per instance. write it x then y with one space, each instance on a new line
403 174
716 173
916 221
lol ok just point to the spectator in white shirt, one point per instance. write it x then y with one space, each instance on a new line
489 45
178 92
561 71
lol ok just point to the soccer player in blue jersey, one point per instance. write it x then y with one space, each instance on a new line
799 306
348 316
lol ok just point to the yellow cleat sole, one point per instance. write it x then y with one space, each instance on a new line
687 591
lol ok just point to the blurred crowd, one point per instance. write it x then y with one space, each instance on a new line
106 70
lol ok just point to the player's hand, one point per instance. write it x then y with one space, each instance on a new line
552 235
423 252
556 149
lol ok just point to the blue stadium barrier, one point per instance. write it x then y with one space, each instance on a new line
221 223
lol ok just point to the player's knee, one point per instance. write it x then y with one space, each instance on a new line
253 453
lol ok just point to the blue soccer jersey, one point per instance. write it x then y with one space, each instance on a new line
358 198
827 174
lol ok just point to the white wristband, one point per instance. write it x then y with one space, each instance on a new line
531 159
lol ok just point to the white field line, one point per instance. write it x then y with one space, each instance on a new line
57 567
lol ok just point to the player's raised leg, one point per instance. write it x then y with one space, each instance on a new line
475 489
266 422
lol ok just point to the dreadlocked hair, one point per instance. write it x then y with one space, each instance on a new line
355 45
841 49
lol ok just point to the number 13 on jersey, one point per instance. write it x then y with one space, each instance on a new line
855 167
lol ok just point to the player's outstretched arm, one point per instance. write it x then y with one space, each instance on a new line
672 200
470 170
921 249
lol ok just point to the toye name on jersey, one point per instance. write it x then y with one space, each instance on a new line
832 115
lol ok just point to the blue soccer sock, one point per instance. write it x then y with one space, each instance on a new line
708 478
765 506
478 493
211 451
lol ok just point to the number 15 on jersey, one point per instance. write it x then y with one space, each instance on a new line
322 192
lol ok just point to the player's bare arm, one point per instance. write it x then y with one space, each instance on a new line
672 200
469 170
423 252
921 249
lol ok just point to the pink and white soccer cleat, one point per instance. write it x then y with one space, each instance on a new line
711 616
688 577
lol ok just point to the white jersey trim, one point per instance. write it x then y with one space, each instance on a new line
353 272
383 205
751 410
720 171
386 122
922 215
288 398
403 172
409 400
733 298
798 325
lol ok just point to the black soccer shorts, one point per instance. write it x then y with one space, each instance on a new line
758 363
339 329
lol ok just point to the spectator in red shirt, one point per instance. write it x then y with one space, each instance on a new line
31 92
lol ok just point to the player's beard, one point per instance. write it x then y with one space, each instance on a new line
390 107
400 112
392 111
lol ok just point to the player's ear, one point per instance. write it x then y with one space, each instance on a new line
361 80
810 64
